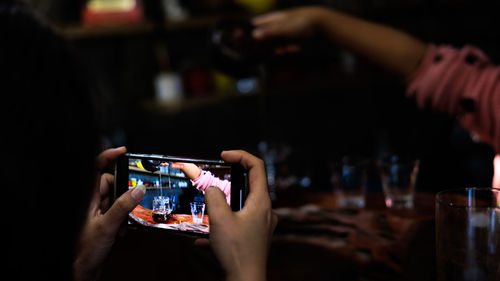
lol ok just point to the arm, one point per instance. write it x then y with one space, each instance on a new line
458 82
203 180
207 179
387 47
464 83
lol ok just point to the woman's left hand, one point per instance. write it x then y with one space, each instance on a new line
103 221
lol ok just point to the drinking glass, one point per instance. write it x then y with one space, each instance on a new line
468 234
398 181
197 210
161 209
349 181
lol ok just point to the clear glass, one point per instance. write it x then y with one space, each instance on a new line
161 209
398 182
468 234
197 211
349 181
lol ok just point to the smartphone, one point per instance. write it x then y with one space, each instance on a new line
175 187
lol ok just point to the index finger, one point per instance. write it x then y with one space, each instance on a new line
255 166
108 156
267 18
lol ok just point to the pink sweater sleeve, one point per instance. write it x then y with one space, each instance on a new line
464 83
207 179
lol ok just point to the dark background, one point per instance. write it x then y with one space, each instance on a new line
310 109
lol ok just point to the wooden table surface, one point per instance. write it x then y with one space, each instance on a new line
146 215
314 240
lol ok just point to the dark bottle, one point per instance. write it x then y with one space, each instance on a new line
151 165
235 51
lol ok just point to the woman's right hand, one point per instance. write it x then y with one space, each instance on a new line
191 170
241 240
294 23
385 46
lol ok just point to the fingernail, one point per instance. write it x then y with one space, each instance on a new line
138 192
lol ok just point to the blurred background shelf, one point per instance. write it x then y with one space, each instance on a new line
193 104
80 32
197 22
83 32
309 108
139 170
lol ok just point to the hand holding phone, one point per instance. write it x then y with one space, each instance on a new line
104 220
175 186
241 239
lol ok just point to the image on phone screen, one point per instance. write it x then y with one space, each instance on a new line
174 197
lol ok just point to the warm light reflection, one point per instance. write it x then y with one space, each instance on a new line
498 199
496 172
388 202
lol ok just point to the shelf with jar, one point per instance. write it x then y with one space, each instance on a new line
84 32
192 104
81 32
157 180
177 174
110 18
189 80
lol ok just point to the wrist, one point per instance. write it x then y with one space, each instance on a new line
250 271
257 275
79 273
323 20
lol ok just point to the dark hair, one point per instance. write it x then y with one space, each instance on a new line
49 139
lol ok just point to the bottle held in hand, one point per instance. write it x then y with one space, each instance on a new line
236 52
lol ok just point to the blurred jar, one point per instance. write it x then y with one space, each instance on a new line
257 6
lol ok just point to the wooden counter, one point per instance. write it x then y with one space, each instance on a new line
144 216
314 240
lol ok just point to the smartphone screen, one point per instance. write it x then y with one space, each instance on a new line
174 198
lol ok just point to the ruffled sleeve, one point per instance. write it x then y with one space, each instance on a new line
207 179
463 83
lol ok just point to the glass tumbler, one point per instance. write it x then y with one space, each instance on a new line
468 234
197 211
349 181
398 181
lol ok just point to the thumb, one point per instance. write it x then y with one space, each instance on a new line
202 242
217 207
124 205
